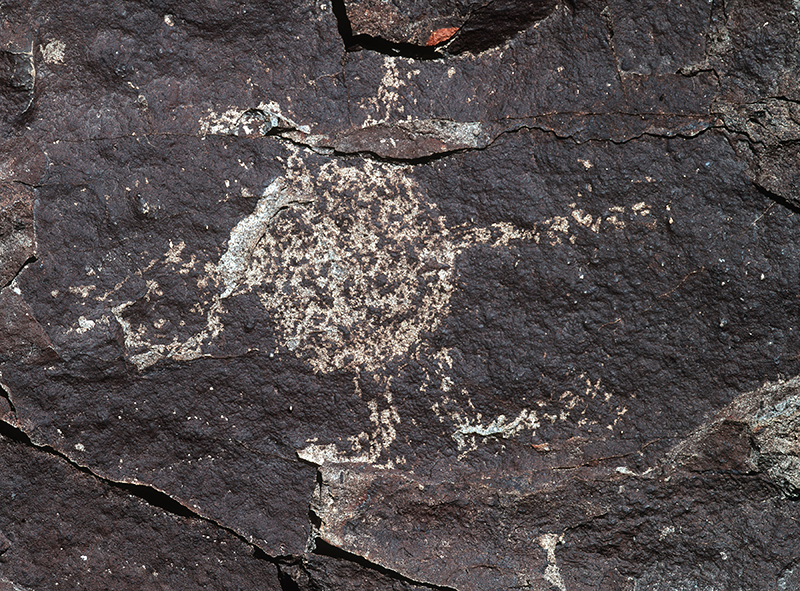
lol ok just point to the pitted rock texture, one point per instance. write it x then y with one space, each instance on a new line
50 540
399 295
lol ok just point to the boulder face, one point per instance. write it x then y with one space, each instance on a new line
399 295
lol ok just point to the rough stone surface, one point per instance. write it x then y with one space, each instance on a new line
399 295
50 540
414 22
17 237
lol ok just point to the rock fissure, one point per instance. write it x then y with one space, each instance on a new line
166 503
597 461
322 147
146 493
5 394
777 199
323 548
29 261
357 42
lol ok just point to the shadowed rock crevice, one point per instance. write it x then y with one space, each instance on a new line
148 494
496 22
288 568
359 41
28 261
791 205
327 563
4 394
444 28
322 548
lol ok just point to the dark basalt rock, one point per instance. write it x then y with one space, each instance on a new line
408 27
63 528
17 235
504 299
17 72
412 22
493 23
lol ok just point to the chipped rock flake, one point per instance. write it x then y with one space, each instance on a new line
401 140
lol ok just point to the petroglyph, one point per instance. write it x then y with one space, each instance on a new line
360 291
365 447
53 52
552 574
353 265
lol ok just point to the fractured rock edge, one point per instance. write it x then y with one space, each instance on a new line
760 428
151 495
487 25
6 585
754 434
161 500
422 141
419 141
25 68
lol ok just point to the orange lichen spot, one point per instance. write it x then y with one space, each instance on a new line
441 35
